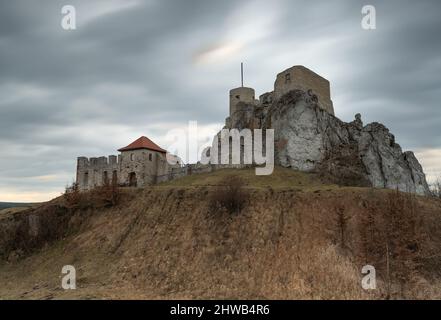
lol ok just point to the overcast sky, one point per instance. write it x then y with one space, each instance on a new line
135 67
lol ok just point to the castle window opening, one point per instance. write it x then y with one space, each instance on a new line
132 157
238 97
105 178
86 178
95 180
114 177
150 156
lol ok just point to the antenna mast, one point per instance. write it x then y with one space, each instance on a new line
241 73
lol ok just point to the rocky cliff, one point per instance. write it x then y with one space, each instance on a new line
307 138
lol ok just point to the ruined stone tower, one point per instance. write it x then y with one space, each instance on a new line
301 78
242 99
244 106
241 94
141 163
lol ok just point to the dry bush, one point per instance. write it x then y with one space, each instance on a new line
110 193
342 224
229 196
391 238
72 194
33 228
102 196
436 189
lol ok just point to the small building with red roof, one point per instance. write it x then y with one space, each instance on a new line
143 143
139 164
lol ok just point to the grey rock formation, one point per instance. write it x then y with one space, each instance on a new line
307 138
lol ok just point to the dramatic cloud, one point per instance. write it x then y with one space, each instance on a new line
136 67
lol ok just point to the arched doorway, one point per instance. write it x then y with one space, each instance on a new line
132 179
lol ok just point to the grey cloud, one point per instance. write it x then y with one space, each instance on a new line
132 71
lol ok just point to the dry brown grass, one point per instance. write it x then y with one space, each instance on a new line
101 196
392 239
287 243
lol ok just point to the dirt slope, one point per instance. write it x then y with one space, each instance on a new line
295 239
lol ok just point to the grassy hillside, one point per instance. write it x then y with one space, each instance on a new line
11 207
5 205
295 238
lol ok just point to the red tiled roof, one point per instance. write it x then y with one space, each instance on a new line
143 143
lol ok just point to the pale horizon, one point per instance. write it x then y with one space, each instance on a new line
134 68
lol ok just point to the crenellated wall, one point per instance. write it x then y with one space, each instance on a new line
138 168
93 172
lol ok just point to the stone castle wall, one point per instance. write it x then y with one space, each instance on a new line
242 99
238 95
136 167
144 163
143 167
301 78
308 137
95 172
188 170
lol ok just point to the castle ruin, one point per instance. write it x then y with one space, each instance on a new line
141 163
244 106
307 137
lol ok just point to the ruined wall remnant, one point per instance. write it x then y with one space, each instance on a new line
95 172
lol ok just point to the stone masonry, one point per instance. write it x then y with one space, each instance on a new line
141 163
308 137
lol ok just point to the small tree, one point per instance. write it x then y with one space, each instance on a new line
436 188
72 194
229 196
342 223
392 236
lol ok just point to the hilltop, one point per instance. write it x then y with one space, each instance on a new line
295 238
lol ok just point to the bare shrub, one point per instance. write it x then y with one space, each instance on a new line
229 196
110 193
436 189
72 194
102 196
392 237
342 225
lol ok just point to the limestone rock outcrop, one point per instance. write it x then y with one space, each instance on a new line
308 138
